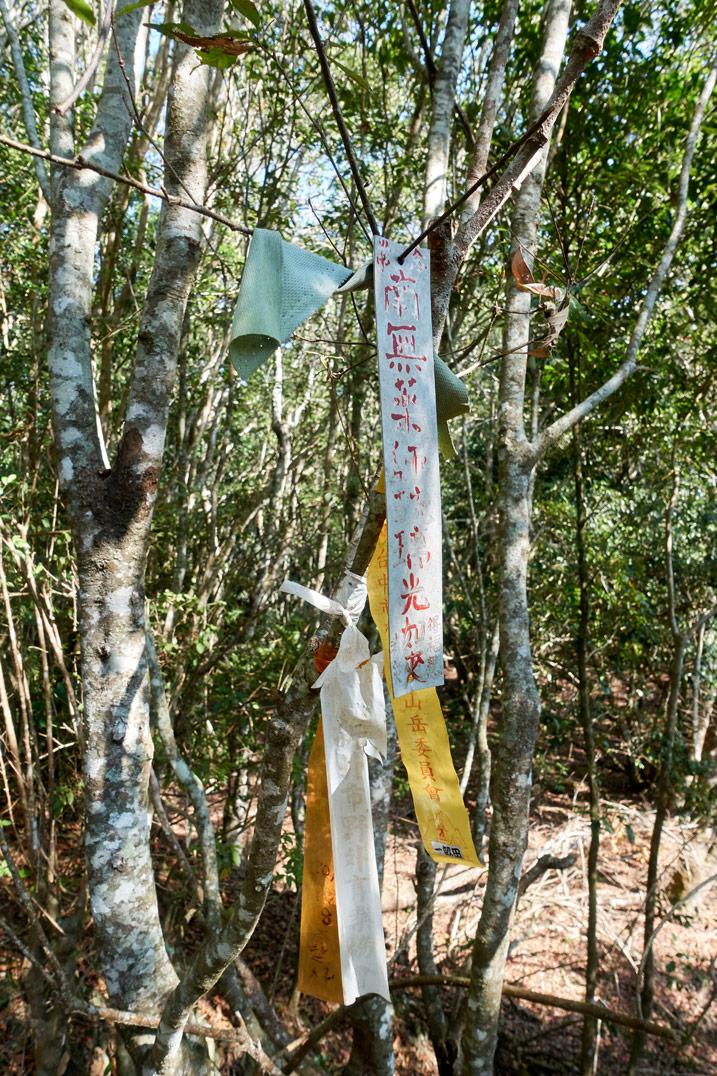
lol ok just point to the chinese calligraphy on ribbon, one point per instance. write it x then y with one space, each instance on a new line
410 447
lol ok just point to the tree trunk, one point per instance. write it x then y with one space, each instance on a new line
111 509
444 93
589 1036
520 702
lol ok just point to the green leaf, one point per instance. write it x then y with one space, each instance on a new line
168 28
133 7
249 10
353 75
82 10
630 833
216 57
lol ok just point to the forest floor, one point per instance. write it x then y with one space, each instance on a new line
547 952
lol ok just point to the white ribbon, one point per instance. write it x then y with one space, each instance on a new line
354 716
348 606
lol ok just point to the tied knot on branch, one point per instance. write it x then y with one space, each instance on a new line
588 44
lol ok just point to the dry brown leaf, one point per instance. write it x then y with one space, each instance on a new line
545 291
521 269
556 323
227 44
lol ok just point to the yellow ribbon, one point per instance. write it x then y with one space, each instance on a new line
425 750
319 956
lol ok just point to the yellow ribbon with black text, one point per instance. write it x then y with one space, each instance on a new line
425 749
319 955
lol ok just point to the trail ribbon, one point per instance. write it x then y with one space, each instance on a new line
282 285
425 749
319 955
354 726
410 454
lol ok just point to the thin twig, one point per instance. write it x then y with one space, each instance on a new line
79 163
336 108
510 152
428 55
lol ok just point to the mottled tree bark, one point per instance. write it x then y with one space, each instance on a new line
520 701
110 508
444 95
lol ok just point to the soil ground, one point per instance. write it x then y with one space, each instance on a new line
547 952
548 948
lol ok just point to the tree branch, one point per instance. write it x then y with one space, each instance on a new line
545 863
445 81
555 431
336 108
79 163
28 108
550 1000
89 72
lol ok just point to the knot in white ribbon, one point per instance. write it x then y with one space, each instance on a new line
351 687
348 606
352 692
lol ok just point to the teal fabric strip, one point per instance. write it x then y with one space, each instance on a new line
281 287
451 401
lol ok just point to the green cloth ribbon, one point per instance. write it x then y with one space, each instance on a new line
281 287
451 401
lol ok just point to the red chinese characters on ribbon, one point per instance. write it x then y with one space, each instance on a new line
410 447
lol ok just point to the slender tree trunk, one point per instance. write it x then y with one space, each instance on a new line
484 757
491 103
444 95
699 726
520 701
589 1037
111 509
